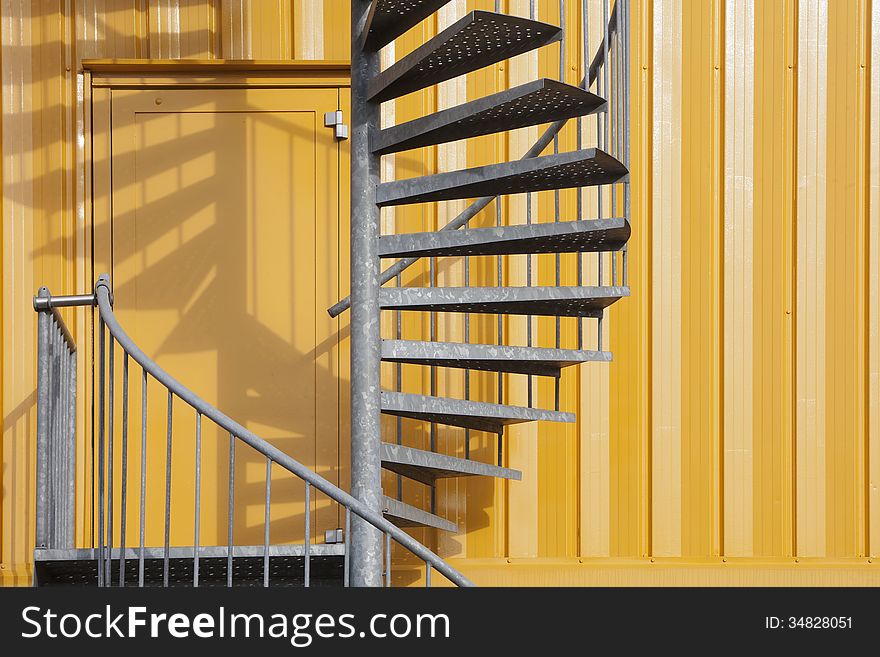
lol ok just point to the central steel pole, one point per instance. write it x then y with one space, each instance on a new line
366 484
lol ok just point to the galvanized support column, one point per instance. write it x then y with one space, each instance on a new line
366 483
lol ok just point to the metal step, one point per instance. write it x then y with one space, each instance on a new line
480 39
388 19
538 361
427 467
77 567
554 301
582 168
481 416
551 237
406 515
540 101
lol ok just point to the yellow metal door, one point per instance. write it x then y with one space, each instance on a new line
225 255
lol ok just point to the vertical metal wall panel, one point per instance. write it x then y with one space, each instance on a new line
594 417
235 29
451 493
20 238
630 374
874 293
739 114
811 272
774 140
699 226
666 279
521 441
845 259
489 535
308 41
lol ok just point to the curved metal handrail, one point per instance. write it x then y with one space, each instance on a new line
104 297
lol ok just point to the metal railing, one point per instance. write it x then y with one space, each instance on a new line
56 426
111 335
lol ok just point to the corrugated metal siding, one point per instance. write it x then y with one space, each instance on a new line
740 417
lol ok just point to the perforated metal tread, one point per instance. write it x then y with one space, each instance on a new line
77 567
388 19
481 416
582 168
427 467
480 39
550 237
539 361
553 301
540 101
406 515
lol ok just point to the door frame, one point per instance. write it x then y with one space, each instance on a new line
100 78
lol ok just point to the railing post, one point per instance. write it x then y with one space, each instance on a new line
56 422
366 485
42 493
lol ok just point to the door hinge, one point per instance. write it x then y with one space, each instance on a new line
332 536
334 120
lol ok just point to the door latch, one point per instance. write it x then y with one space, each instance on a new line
334 120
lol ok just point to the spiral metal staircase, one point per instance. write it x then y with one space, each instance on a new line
359 553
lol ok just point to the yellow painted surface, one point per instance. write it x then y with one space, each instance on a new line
739 419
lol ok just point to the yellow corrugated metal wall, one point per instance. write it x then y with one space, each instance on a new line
736 436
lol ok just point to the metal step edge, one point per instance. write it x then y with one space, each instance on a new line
406 515
427 467
400 78
186 552
508 240
584 168
539 361
379 30
481 416
499 112
584 301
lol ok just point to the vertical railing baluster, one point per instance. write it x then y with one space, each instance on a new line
427 574
387 560
124 474
267 520
467 372
346 542
533 14
198 518
167 553
143 477
230 513
308 530
101 384
110 439
398 332
52 437
71 441
433 370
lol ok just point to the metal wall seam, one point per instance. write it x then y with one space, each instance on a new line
666 280
739 114
873 479
811 276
